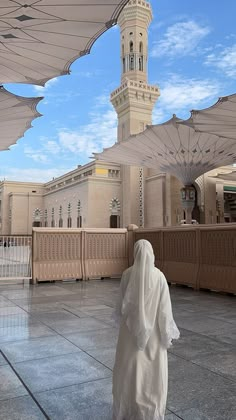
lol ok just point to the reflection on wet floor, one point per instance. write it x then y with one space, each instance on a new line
57 349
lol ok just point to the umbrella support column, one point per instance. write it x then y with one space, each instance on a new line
188 201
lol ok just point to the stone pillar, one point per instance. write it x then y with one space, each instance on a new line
188 201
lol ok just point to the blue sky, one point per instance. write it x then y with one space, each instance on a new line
192 58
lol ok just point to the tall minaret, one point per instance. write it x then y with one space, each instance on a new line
134 99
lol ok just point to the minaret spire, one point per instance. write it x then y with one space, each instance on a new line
133 23
134 100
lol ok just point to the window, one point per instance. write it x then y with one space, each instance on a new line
69 219
79 222
140 63
79 217
60 217
45 218
123 61
37 218
131 62
53 218
131 46
114 221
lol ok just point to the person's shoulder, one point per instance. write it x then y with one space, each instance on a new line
160 274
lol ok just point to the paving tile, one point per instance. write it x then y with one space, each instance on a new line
20 294
191 345
15 319
11 310
2 360
219 330
21 408
94 339
223 363
107 320
50 318
79 303
37 348
24 331
228 315
5 302
61 371
10 385
40 307
191 386
212 411
89 401
74 311
105 356
53 291
77 324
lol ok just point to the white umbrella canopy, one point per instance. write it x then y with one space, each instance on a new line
174 148
226 176
219 119
16 115
40 39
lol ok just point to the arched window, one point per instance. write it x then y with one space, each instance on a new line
37 218
115 213
131 62
45 218
69 219
131 46
60 217
114 221
53 218
79 217
140 63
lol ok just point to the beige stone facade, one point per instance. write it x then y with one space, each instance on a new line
109 195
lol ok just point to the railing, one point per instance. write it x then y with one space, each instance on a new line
60 254
201 256
15 257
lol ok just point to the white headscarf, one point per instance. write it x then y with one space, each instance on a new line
139 305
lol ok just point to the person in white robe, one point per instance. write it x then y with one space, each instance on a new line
147 327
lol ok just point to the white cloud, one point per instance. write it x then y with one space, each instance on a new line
180 39
35 154
48 85
181 95
52 147
33 174
99 133
225 60
158 115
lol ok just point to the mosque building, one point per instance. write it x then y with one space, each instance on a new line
107 195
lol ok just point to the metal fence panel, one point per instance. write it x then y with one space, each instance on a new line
15 257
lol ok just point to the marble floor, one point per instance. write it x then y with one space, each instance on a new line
57 347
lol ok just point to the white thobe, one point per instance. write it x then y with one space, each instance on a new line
140 377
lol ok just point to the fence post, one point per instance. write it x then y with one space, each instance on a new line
198 257
33 280
83 255
131 240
